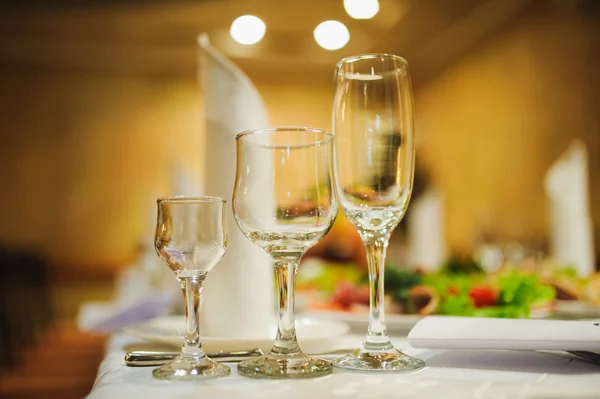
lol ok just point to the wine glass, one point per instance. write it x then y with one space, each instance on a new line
191 238
284 201
374 165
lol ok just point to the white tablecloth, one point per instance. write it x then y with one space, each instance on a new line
448 374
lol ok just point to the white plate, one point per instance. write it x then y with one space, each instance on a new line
314 335
396 323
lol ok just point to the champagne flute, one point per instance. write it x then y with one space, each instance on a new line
374 165
191 238
284 201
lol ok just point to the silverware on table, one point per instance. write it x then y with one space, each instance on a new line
593 357
158 358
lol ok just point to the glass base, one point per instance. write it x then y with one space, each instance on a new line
281 366
191 368
379 360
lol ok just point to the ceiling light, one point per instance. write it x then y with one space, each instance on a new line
331 35
361 9
248 29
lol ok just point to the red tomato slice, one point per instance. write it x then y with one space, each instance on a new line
483 295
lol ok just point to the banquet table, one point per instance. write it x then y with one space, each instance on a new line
448 374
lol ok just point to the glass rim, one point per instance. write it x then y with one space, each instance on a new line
251 132
184 199
369 56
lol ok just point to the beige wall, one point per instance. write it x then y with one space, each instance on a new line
491 125
302 105
84 156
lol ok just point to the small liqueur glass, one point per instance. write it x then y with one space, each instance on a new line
191 238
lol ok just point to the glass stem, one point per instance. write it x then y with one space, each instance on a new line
192 292
376 338
285 270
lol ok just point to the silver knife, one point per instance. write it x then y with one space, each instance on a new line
593 357
156 358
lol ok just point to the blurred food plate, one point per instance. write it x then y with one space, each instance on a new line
459 288
315 335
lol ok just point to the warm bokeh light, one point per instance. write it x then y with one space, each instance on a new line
361 9
331 35
248 29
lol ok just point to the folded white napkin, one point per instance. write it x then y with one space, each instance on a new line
239 292
113 316
446 332
145 290
427 246
566 185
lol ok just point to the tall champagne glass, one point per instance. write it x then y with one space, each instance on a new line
284 201
374 164
191 238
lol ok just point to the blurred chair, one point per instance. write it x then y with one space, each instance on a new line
24 303
39 356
